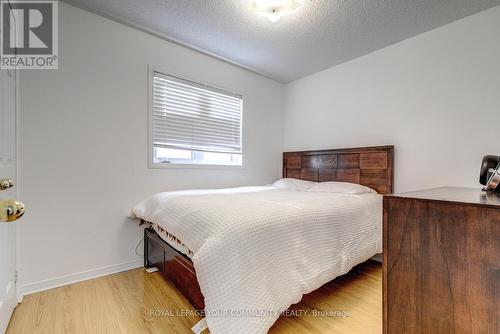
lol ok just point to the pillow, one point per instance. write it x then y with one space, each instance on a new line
341 188
294 184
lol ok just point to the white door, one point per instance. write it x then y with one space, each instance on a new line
10 209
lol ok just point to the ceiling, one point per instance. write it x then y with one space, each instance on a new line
321 34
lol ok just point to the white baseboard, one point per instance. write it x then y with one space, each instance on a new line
56 282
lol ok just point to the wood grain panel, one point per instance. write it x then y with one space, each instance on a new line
327 161
310 161
309 174
373 160
371 166
348 175
293 173
375 179
327 174
319 161
293 161
348 161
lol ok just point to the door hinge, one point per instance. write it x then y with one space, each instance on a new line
16 276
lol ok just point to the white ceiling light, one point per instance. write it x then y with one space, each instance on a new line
274 10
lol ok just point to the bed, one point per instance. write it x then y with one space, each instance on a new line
243 255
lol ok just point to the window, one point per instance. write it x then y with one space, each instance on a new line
194 124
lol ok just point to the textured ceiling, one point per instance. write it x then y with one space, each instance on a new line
321 34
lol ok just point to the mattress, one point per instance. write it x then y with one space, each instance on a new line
258 250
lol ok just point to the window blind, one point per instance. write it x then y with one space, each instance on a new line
188 115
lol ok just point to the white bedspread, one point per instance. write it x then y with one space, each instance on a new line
257 250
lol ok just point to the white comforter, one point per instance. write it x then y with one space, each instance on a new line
257 250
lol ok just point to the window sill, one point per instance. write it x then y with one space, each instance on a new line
194 166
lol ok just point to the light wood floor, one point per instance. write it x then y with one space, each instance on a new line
122 303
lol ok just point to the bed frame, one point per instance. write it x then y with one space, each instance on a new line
369 166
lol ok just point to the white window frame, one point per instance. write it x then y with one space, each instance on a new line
155 165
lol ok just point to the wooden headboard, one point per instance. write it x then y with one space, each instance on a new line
369 166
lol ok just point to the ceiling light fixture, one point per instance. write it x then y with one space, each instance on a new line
274 10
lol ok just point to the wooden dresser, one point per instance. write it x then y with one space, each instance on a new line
442 262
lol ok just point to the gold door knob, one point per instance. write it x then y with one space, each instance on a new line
6 184
11 210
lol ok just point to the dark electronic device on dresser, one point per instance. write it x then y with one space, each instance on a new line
490 173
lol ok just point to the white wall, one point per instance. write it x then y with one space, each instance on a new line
83 145
436 97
